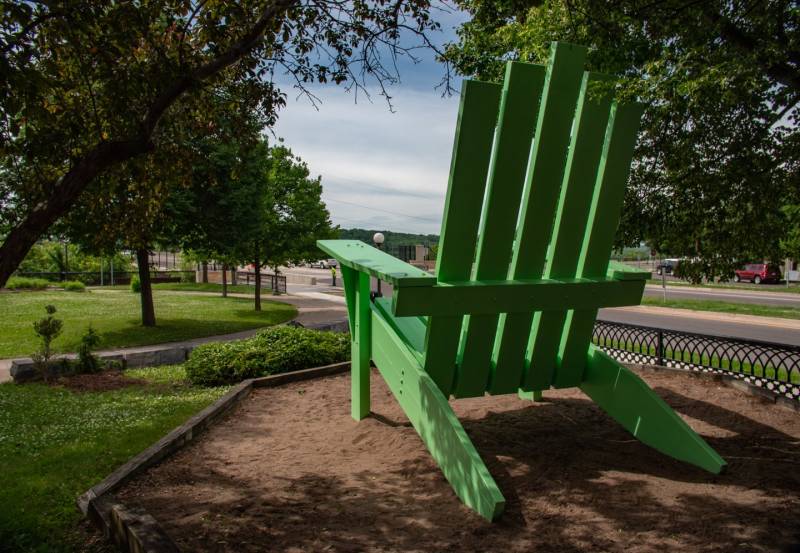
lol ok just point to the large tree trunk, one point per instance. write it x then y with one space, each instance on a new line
224 281
67 189
148 312
204 266
257 268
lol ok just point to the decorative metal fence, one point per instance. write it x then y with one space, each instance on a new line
94 278
768 365
276 283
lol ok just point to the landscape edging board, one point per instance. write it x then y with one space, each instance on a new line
135 530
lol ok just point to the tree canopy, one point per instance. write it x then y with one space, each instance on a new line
87 86
719 149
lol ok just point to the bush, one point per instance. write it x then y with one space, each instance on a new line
26 283
273 350
136 285
88 363
74 286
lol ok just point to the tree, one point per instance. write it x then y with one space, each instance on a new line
718 151
291 217
89 86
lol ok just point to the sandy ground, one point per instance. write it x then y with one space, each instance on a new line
291 471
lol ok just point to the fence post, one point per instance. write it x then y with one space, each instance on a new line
660 348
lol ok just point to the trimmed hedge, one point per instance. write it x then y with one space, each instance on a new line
273 350
74 286
27 283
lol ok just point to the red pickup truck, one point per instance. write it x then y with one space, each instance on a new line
758 273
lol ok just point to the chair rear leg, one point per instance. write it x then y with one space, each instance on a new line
631 402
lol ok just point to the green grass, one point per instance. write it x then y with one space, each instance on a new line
55 444
726 307
793 287
115 314
208 287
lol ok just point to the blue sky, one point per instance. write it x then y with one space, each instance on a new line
380 169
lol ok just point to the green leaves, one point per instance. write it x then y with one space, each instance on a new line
718 151
271 351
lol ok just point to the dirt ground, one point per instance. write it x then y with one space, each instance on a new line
291 471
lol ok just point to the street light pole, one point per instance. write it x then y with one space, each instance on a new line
378 238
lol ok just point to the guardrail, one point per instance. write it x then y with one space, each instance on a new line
775 367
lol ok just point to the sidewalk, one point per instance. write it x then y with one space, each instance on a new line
313 309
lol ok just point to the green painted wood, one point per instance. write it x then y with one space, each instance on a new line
360 347
561 88
620 271
492 297
585 149
350 282
632 403
358 255
433 419
477 117
522 91
411 330
531 395
604 215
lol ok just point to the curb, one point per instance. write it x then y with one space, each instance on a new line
133 529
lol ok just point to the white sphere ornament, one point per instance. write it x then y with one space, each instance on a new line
378 238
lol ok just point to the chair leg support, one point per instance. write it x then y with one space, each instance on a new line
631 402
433 419
533 395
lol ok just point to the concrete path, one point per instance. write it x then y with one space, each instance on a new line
313 309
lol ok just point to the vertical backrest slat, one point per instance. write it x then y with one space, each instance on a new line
547 161
469 166
521 92
586 146
612 176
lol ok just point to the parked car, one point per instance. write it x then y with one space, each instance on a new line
667 266
324 263
758 273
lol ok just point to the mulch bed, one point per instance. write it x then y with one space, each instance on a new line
289 470
100 382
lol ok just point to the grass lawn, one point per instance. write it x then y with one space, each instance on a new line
793 287
115 314
726 307
55 444
209 287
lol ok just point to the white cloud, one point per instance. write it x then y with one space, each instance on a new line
395 164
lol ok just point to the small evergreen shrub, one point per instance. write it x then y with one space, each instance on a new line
46 329
27 283
136 285
74 286
273 350
87 363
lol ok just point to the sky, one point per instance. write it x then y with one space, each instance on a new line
380 169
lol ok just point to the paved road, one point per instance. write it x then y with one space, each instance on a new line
773 330
785 299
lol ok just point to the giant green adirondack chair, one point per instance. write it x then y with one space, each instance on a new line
536 186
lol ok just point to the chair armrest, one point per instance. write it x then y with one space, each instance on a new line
361 257
620 271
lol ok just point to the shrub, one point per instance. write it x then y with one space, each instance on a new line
27 283
47 329
136 285
74 286
88 363
271 351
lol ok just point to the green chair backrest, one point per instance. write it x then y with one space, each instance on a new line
536 185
